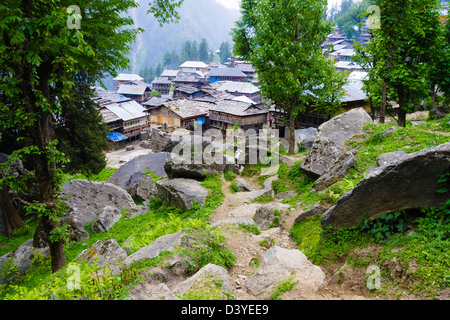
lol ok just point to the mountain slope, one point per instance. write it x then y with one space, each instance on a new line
199 19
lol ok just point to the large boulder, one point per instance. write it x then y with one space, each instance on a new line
264 215
211 281
411 182
106 253
189 169
106 219
181 193
164 243
87 200
279 264
336 172
329 144
305 137
19 261
128 175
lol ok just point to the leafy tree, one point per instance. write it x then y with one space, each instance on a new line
282 39
402 51
40 59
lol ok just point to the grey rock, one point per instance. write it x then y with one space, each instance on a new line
315 210
244 185
209 275
279 264
387 159
181 193
189 169
389 131
287 160
106 253
128 175
146 188
336 172
306 137
106 219
22 259
330 141
411 183
164 243
285 195
265 214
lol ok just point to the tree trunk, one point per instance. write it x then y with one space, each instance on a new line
401 121
383 102
41 133
12 219
291 134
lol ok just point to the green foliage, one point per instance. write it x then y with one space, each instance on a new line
104 175
386 224
234 187
285 286
153 175
208 287
279 186
254 229
229 175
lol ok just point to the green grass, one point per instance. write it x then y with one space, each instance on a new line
135 233
104 175
282 288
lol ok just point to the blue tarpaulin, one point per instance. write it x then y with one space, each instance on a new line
116 137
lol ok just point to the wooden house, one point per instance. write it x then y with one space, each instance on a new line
162 85
136 90
226 114
191 67
226 74
123 78
181 114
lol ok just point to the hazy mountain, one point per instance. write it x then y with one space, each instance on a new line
199 19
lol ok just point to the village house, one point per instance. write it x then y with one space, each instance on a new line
344 66
226 74
237 89
169 74
196 80
181 114
226 114
124 78
187 92
342 54
136 90
122 115
191 67
162 85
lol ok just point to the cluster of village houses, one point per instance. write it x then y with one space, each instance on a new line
213 95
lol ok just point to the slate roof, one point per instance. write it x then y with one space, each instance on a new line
194 64
226 72
239 108
133 89
187 109
127 110
236 87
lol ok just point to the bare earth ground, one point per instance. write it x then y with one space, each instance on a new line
246 248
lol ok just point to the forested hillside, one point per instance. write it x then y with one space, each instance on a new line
200 19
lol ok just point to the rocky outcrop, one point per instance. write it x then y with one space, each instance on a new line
243 185
181 193
315 210
329 143
336 172
279 264
129 175
264 215
19 261
210 280
107 253
305 137
188 169
106 219
86 201
387 159
412 182
164 243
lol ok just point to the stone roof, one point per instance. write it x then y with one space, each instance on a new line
239 108
187 109
226 72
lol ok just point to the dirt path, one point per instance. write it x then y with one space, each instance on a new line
249 251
